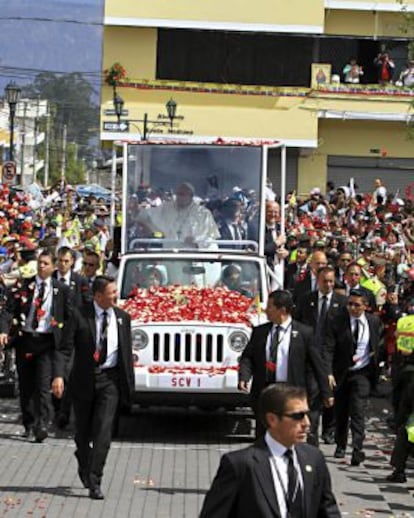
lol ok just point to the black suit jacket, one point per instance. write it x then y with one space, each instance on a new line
339 347
291 275
302 288
81 337
244 487
17 308
78 285
303 358
307 307
270 246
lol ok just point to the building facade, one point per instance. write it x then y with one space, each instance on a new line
269 70
27 136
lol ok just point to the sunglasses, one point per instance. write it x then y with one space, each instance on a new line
298 416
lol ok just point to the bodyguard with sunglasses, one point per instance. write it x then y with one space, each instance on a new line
279 475
354 346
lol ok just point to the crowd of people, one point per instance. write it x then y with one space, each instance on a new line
343 282
347 261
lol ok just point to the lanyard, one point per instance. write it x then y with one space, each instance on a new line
281 334
285 490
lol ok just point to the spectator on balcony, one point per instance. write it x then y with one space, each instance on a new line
352 71
407 75
385 68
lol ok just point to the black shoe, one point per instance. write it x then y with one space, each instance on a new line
84 478
328 438
28 431
357 457
40 434
339 453
397 476
95 493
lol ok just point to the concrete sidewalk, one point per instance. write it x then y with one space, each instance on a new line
163 466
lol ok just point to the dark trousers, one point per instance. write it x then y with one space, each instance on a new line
94 421
351 399
402 447
316 409
35 373
63 406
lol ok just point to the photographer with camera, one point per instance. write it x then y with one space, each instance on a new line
385 67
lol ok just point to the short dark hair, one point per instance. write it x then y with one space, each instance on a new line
47 252
92 253
274 399
282 299
101 282
325 269
351 265
359 293
63 250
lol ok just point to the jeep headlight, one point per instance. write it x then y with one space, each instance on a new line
238 341
139 339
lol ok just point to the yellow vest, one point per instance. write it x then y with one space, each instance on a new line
405 333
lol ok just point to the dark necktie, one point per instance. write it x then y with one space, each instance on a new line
294 492
323 311
38 305
62 279
355 335
270 372
320 325
103 342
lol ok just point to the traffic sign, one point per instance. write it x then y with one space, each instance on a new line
122 126
124 113
8 171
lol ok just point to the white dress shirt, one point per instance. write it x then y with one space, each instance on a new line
45 319
281 373
362 351
112 334
66 277
279 468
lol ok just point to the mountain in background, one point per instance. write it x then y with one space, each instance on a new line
50 35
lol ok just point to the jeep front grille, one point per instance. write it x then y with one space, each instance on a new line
188 347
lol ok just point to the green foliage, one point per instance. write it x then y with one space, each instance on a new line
71 104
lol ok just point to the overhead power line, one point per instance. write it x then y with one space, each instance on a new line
54 20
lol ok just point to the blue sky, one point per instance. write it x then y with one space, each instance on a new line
52 35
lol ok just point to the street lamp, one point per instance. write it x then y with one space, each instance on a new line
118 105
12 91
171 108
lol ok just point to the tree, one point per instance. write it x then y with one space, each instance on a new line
72 104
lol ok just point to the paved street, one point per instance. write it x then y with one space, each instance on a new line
162 466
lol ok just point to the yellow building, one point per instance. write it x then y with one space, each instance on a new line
268 70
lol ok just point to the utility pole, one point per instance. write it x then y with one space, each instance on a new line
35 139
23 133
62 177
46 177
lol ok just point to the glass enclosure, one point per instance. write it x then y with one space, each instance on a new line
193 194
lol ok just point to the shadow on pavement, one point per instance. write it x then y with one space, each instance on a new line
65 491
174 490
185 426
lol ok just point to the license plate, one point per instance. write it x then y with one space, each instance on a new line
185 382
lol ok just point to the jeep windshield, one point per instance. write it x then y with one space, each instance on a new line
242 276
